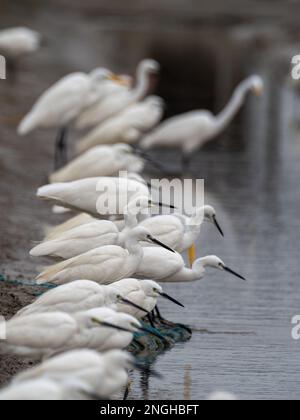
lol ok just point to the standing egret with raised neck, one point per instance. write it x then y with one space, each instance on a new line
62 103
192 130
116 103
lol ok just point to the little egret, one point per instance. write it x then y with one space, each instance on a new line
62 102
104 265
127 127
106 374
100 161
192 130
46 334
170 267
115 103
181 232
79 296
95 196
143 292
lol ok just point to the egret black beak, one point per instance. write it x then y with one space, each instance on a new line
152 332
108 325
167 206
157 242
234 273
147 370
164 295
134 305
218 226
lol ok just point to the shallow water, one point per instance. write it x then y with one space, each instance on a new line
242 331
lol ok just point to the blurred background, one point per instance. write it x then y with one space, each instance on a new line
242 341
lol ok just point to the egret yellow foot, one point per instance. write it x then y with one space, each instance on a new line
192 254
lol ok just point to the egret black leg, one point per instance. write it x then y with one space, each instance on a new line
127 390
150 319
160 317
61 157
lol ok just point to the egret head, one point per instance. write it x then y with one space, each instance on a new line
149 67
210 216
154 290
143 235
114 297
215 262
257 85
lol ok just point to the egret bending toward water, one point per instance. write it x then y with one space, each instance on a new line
127 127
170 267
104 265
192 130
62 102
79 296
114 104
100 161
143 292
181 232
106 374
46 334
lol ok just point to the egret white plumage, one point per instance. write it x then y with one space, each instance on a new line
104 265
169 267
79 296
127 127
98 233
181 232
143 292
192 130
42 335
90 195
63 101
100 161
116 103
106 374
46 389
51 232
15 42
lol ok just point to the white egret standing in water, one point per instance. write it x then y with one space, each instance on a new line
192 130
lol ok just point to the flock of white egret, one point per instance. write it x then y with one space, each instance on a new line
106 269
